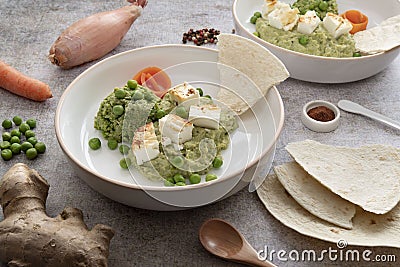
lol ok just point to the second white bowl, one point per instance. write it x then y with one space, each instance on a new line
324 69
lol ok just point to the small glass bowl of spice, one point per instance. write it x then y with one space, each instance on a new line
320 116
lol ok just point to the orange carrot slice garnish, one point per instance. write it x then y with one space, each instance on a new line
154 78
357 19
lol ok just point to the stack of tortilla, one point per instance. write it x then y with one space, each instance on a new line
338 193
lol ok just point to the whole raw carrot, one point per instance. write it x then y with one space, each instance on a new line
94 36
20 84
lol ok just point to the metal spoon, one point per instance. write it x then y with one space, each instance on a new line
223 240
358 109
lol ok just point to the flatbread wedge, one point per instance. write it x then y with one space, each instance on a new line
381 38
314 197
368 229
255 61
368 176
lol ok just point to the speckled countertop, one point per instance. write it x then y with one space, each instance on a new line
149 238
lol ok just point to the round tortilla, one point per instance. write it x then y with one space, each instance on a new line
314 197
368 229
367 176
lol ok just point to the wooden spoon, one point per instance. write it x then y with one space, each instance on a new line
223 240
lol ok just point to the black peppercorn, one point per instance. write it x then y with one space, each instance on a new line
200 37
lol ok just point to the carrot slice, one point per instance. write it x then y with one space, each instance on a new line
152 84
160 78
357 19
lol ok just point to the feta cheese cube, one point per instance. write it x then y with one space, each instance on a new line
146 132
166 141
269 6
145 145
177 129
206 116
284 17
183 93
308 22
145 151
336 25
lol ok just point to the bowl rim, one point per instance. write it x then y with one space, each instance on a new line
278 127
295 53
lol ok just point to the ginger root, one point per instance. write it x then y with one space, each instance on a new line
29 237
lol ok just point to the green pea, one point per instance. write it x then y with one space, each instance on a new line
112 144
217 162
124 149
31 153
303 40
323 6
32 140
94 143
118 110
40 147
132 84
16 132
160 113
31 123
119 93
6 136
194 178
208 96
138 95
180 184
125 163
15 139
25 146
15 148
17 120
210 177
29 134
201 93
253 20
178 161
171 180
182 112
7 124
6 154
356 54
256 34
167 182
24 127
5 145
257 14
179 178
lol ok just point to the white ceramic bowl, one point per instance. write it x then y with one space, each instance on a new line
324 69
249 155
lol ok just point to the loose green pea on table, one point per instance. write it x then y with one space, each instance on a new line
17 120
6 154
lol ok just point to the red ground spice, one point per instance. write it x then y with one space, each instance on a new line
321 113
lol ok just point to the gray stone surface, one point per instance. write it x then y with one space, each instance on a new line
149 238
